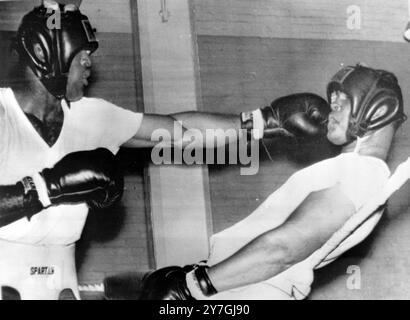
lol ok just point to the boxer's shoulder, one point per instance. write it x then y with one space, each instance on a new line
3 98
362 176
3 90
354 161
92 104
5 95
365 164
97 109
88 102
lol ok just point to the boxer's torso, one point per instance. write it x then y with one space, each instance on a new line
38 255
359 177
88 124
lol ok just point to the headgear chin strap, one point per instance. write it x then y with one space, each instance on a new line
375 96
60 42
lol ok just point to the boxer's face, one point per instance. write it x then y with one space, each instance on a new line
338 118
80 71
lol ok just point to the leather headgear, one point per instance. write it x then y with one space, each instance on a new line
60 43
375 96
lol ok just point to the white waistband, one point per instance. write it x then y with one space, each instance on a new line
38 272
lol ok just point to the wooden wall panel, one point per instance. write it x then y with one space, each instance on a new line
113 76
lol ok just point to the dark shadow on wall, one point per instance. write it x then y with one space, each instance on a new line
303 152
299 152
101 226
105 225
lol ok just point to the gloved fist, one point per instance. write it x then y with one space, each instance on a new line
124 286
298 116
170 283
85 176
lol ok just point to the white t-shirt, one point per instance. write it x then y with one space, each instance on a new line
89 123
359 177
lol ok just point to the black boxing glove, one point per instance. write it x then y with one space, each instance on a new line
85 176
170 283
124 286
298 115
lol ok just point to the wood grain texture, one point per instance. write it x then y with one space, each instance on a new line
301 19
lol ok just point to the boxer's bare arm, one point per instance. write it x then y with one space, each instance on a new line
204 121
154 125
227 127
217 129
320 215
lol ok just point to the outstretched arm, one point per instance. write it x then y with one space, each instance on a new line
313 222
220 128
296 115
320 215
211 129
151 129
205 129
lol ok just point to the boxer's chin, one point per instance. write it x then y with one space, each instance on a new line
337 141
75 94
335 137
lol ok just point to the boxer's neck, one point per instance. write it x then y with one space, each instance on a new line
35 99
376 144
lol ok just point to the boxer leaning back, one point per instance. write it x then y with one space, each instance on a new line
270 254
57 148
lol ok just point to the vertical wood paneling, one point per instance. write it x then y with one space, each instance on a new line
179 196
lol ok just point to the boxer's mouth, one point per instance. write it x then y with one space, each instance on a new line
86 75
333 120
332 123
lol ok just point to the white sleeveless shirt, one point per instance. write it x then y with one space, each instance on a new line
89 123
360 177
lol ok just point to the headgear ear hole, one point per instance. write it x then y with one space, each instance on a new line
39 52
380 112
375 95
59 45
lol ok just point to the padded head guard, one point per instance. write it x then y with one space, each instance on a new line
375 97
60 42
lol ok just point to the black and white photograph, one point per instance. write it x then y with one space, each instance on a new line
222 151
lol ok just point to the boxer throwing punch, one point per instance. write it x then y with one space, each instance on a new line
270 254
57 148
